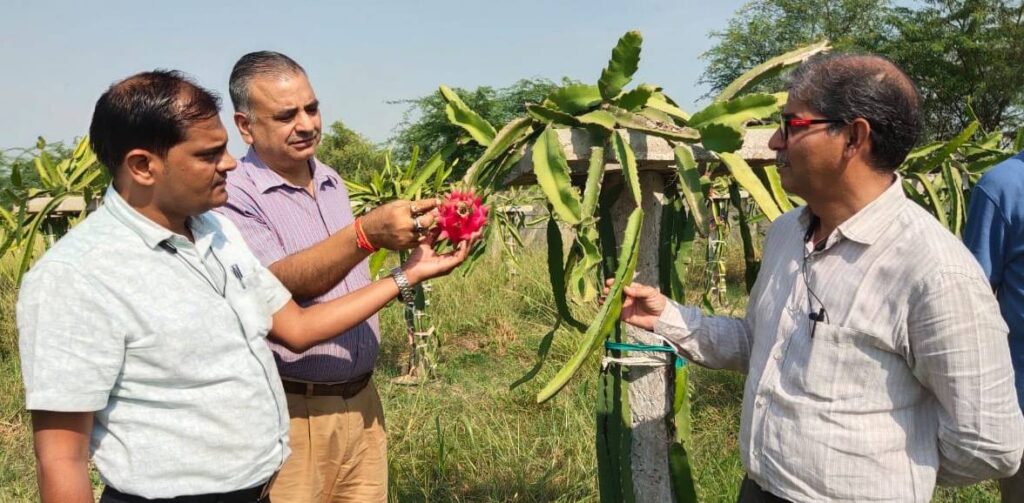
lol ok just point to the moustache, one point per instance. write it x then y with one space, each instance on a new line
301 139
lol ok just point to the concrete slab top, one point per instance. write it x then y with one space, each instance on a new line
652 153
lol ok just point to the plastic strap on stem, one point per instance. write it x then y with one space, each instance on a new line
645 348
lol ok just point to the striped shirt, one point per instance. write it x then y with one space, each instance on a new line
278 219
906 380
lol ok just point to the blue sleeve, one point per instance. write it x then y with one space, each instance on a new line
985 234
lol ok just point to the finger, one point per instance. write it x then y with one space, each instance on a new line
430 237
634 290
646 291
609 282
427 219
463 251
425 205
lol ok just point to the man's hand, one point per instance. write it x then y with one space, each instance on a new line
424 263
642 305
393 225
299 329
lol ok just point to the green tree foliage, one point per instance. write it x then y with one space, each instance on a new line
426 124
762 29
349 153
956 50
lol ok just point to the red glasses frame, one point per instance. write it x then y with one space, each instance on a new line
798 122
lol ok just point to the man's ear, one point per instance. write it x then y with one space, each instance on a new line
859 139
244 125
142 166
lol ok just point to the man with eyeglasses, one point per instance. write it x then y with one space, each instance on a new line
875 355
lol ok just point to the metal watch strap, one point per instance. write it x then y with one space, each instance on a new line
405 292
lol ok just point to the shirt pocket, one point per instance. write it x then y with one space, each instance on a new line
247 298
841 363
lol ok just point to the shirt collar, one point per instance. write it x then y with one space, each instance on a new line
151 233
203 231
867 225
267 179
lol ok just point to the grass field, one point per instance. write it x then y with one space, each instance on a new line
467 436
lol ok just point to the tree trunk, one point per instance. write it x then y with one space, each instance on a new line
649 387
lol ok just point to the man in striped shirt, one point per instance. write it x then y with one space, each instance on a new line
876 358
294 213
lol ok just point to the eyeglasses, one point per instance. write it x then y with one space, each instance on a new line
792 122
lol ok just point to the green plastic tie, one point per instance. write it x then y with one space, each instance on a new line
647 348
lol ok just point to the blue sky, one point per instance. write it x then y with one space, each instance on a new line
58 56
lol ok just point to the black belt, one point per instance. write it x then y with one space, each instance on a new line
750 492
258 494
345 390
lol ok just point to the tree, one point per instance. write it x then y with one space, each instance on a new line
965 56
762 29
426 124
349 153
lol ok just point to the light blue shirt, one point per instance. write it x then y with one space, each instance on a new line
167 349
995 235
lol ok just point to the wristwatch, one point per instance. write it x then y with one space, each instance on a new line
405 293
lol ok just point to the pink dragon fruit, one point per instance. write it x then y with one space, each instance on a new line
460 215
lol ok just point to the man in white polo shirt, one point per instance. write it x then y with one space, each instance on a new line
142 331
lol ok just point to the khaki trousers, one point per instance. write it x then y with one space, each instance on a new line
339 450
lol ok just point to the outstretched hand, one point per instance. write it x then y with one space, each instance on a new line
393 225
424 263
642 305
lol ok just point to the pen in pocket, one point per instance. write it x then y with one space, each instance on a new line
238 274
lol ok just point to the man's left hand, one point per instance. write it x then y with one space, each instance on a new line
399 225
424 263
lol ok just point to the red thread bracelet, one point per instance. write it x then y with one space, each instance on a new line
361 240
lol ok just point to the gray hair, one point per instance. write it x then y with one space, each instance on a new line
852 86
257 64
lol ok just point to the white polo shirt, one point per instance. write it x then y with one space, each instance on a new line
167 348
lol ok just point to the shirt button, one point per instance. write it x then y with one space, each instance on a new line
759 402
778 356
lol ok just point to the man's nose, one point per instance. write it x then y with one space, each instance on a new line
776 142
227 162
304 122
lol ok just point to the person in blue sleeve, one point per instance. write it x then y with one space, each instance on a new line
995 235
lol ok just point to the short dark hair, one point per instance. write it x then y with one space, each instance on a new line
851 86
254 64
149 110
